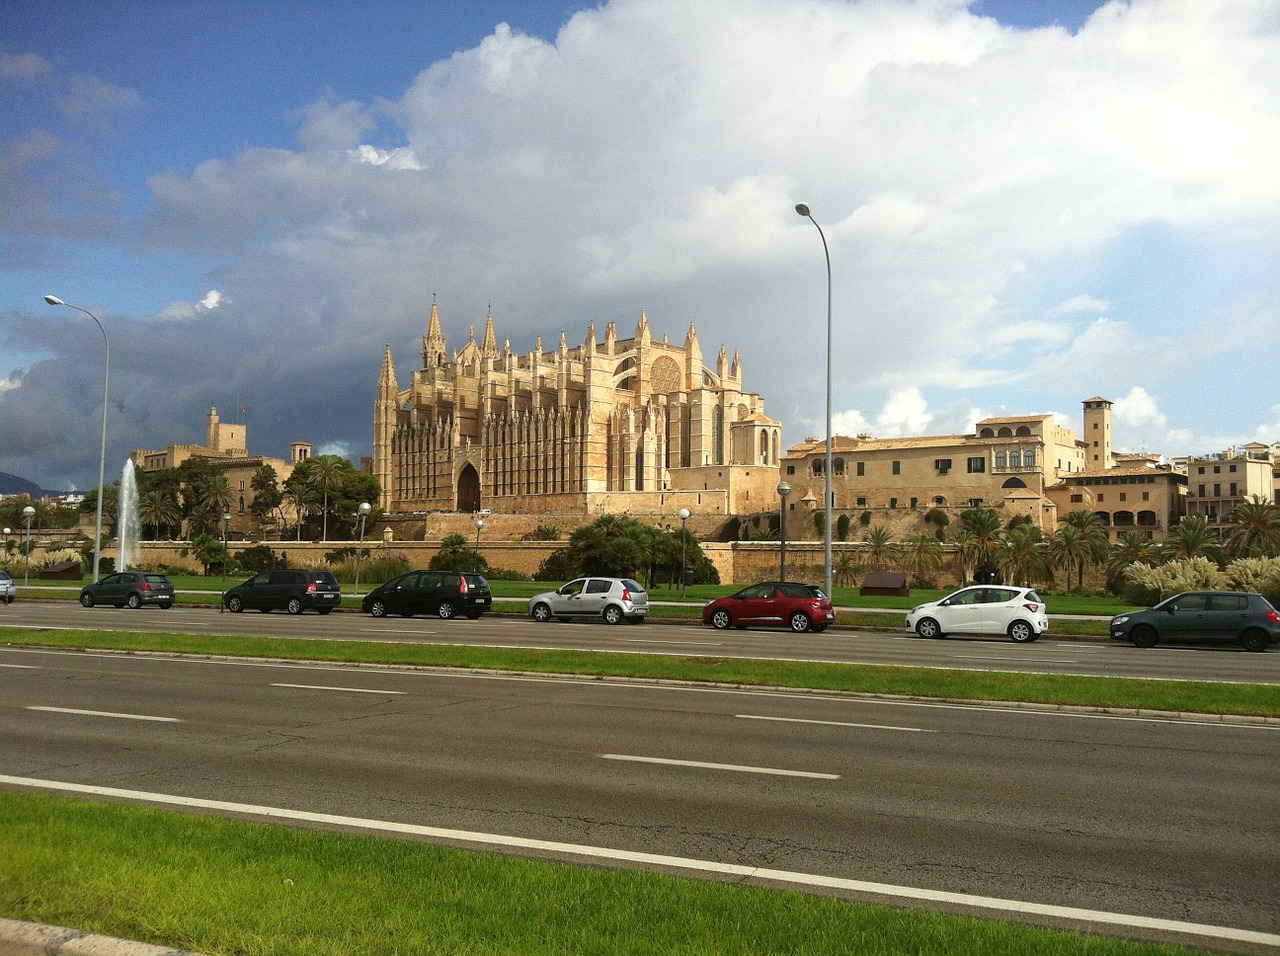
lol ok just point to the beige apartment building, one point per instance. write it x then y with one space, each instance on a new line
226 448
625 426
1006 464
1217 483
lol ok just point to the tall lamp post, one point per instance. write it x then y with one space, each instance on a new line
479 528
784 489
803 210
102 459
28 512
684 516
363 512
226 521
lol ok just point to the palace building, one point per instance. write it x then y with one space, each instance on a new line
634 425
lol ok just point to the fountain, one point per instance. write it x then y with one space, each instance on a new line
129 529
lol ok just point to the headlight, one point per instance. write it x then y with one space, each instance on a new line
1119 620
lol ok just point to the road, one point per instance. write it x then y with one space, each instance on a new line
1100 657
967 809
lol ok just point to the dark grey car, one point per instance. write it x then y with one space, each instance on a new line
446 594
133 588
290 589
1202 616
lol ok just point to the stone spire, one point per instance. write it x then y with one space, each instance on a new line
489 347
434 349
643 335
589 347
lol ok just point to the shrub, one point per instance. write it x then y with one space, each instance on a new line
255 559
842 526
1256 574
937 516
508 574
50 558
1144 584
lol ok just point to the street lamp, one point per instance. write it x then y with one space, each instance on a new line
784 489
28 512
479 528
363 512
684 516
102 459
803 210
226 520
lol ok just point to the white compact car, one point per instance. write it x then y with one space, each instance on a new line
612 599
983 609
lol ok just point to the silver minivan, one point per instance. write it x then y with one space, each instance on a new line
613 600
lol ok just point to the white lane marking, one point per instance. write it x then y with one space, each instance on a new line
1020 660
349 690
107 713
737 768
584 851
25 667
834 723
641 640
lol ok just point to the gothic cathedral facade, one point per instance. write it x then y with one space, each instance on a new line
624 426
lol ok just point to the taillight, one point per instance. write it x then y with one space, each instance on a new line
1032 607
311 588
462 585
626 594
1273 617
146 586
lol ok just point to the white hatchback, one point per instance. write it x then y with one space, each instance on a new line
983 609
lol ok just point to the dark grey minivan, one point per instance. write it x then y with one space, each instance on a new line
446 594
291 589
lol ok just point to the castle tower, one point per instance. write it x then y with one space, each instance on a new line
434 351
1097 434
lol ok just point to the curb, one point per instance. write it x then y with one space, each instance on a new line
18 938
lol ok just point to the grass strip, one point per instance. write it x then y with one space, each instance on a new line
1122 693
224 887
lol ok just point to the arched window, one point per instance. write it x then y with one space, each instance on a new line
1001 459
1029 458
1015 459
837 466
819 466
986 433
1005 432
1024 431
1014 482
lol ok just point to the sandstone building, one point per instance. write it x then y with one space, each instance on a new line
634 425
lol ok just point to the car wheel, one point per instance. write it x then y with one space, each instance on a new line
613 614
166 605
473 615
540 612
800 622
86 600
323 610
1020 632
135 601
264 610
721 619
820 628
1254 641
446 611
635 620
927 627
1143 636
235 604
378 609
294 606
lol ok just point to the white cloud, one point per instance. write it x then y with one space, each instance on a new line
23 66
190 310
1082 303
327 125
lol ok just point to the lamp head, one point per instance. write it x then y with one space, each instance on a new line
479 523
365 508
684 514
784 489
29 511
802 208
54 300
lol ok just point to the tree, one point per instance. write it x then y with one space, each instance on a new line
268 499
1255 531
1191 538
984 525
1080 541
456 554
159 511
330 486
1133 547
1022 556
844 570
965 546
879 550
920 554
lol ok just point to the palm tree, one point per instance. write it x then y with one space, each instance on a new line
325 469
1080 541
845 569
920 554
1134 547
1192 538
964 544
1256 530
984 525
157 510
1022 555
879 550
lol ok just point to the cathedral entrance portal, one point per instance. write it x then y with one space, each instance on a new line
469 489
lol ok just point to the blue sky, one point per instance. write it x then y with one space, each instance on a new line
1028 204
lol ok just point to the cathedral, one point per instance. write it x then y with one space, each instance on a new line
625 426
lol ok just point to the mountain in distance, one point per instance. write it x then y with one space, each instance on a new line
13 485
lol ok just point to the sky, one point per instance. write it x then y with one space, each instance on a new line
1027 203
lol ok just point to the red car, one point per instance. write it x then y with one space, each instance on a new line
801 607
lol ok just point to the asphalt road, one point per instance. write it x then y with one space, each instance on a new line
987 810
1047 655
